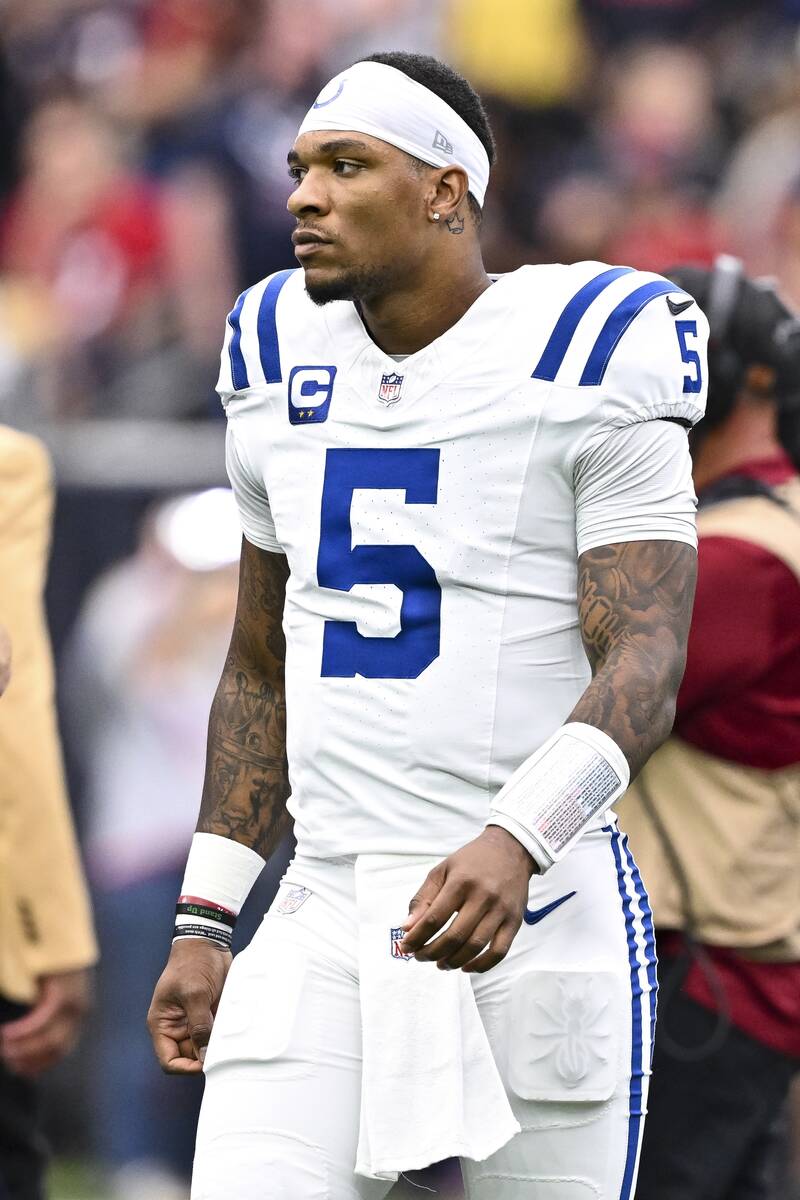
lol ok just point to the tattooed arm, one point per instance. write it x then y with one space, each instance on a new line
635 604
246 784
244 798
635 601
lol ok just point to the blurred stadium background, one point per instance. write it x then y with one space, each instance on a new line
142 186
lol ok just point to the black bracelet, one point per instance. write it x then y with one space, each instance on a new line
186 909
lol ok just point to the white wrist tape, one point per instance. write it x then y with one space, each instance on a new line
221 871
547 803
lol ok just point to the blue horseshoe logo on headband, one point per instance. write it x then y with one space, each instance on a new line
335 96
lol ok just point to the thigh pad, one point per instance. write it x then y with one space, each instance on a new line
565 1035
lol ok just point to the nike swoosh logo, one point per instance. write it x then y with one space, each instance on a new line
533 918
679 308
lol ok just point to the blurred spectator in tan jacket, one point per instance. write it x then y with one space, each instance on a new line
47 944
5 659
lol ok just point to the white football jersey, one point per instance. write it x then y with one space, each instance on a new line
432 511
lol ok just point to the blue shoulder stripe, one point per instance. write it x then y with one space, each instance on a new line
238 366
615 326
267 327
555 351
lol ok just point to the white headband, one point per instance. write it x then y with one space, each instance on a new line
383 102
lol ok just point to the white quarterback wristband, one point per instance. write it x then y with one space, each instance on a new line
552 796
219 876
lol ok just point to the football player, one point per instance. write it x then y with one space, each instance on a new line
466 582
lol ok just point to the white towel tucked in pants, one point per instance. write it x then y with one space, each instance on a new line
430 1086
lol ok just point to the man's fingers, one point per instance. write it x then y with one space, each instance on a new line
180 1027
425 896
200 1039
38 1051
199 1020
31 1065
33 1023
476 942
450 941
184 1066
432 919
496 951
182 1010
176 1057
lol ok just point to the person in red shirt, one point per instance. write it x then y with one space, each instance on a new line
714 819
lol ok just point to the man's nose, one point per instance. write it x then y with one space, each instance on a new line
308 197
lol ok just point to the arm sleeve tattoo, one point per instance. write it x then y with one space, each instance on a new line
635 605
246 782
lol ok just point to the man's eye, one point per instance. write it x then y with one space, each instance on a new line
296 173
342 167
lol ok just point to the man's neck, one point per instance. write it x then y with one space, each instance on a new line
406 320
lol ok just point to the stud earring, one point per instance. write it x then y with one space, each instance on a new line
436 216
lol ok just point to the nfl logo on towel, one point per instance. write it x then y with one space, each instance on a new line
397 937
391 386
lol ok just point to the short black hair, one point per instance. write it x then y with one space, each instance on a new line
449 86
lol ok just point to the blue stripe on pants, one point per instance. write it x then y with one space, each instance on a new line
649 940
636 960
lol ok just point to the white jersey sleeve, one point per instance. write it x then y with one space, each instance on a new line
627 357
647 359
250 359
249 363
636 485
251 497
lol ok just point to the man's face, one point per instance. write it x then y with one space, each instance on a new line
360 208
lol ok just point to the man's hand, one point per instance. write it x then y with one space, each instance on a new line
486 883
5 659
48 1032
184 1003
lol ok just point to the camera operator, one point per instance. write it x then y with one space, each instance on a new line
714 819
47 944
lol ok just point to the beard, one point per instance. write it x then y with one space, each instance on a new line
357 284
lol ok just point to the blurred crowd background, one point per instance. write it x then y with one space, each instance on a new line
144 181
143 184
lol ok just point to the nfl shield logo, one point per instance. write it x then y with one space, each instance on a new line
397 937
292 899
389 391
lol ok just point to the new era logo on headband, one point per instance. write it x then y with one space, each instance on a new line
440 142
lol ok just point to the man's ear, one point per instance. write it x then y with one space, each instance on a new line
452 187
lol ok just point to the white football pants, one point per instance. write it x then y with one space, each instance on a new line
569 1014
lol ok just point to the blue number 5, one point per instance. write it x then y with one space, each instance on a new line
691 357
340 565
